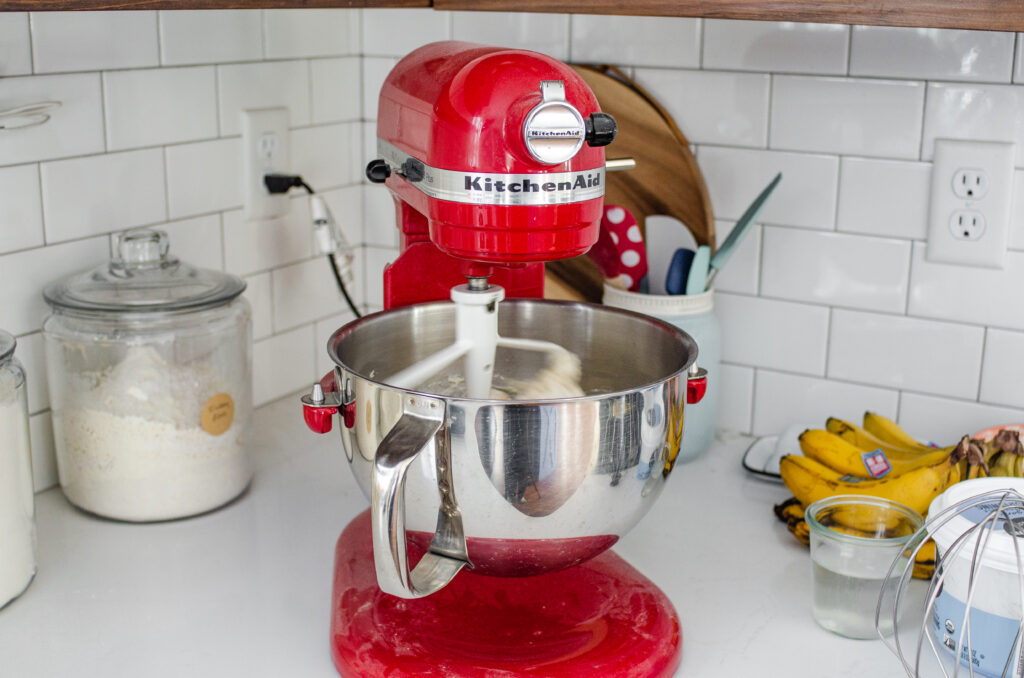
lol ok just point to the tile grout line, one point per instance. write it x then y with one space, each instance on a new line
981 366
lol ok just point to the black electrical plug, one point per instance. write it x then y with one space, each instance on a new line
282 183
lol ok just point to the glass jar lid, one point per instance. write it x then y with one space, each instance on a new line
7 343
143 278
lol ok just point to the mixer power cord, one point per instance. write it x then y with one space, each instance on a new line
329 237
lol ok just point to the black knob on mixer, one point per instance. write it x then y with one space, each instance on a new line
378 171
601 129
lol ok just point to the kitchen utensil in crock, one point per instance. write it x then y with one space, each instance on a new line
679 271
724 252
503 170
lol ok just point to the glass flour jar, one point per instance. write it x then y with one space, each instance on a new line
149 363
17 507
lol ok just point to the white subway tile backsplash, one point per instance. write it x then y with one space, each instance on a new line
1015 238
743 269
396 32
1002 375
782 400
346 204
76 128
15 44
712 107
195 241
834 268
905 353
210 36
849 116
26 273
380 225
944 421
262 85
884 197
1018 66
375 71
259 293
336 89
322 333
93 41
325 156
163 106
545 33
636 40
973 111
21 211
931 53
769 333
32 355
283 364
966 294
737 398
806 196
204 177
44 460
102 193
254 246
305 292
780 47
293 33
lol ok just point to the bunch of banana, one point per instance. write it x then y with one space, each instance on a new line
1005 454
834 450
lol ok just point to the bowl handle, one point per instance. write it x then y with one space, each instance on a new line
420 430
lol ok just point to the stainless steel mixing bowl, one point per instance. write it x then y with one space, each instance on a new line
510 488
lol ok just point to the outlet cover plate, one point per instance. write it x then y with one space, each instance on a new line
265 149
991 163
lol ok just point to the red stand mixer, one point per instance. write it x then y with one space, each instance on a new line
495 487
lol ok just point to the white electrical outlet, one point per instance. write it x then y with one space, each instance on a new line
264 151
972 193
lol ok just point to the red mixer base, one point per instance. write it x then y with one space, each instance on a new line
601 618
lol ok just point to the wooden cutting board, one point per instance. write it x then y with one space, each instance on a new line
667 179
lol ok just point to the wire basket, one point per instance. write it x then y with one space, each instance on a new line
975 599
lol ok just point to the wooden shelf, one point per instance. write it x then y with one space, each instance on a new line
996 15
60 5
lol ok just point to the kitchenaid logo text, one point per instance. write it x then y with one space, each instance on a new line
549 133
486 185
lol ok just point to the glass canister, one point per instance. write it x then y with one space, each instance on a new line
17 507
149 363
695 315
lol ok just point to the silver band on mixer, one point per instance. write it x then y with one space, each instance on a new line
486 188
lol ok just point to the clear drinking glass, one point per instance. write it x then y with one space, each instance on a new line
854 541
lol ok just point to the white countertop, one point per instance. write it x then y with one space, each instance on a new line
246 590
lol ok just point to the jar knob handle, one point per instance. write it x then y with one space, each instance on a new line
144 248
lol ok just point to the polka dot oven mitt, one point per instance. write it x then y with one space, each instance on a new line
619 252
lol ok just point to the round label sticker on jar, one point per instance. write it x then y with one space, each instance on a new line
218 412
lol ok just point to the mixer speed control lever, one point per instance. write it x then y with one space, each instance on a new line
378 171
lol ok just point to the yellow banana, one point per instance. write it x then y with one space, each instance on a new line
924 563
887 429
800 530
864 439
810 481
840 455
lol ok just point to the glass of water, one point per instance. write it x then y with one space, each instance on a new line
854 541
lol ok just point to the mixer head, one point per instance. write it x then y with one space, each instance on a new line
495 159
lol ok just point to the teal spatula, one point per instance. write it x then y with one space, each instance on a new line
724 252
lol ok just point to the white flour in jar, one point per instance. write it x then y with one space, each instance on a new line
17 525
130 443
